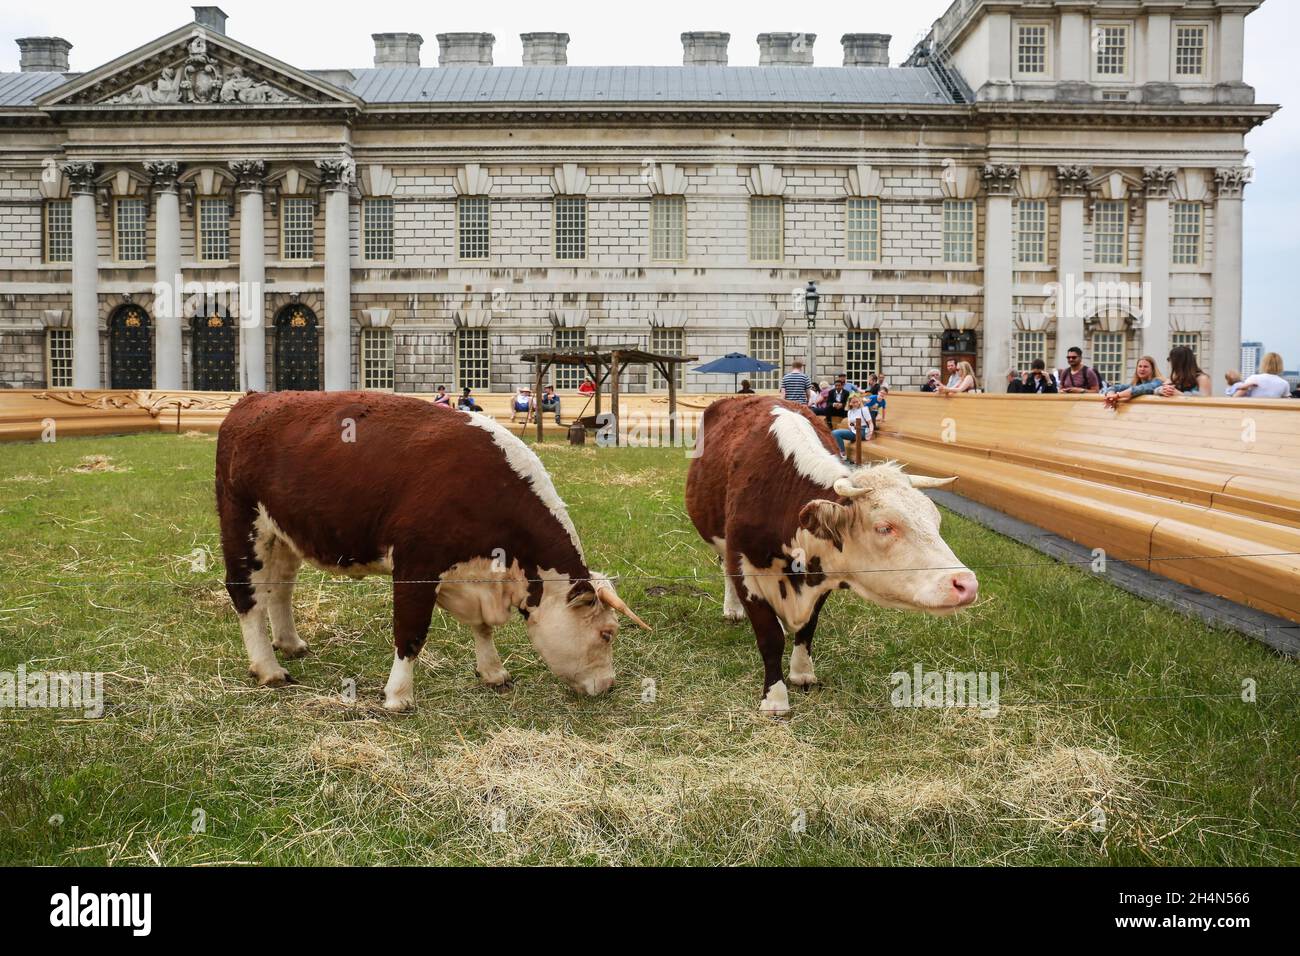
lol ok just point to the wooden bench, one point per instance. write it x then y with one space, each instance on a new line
1203 491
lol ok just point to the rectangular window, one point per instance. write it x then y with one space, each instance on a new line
863 219
668 228
767 345
958 230
564 340
58 230
58 358
130 218
667 342
1031 49
473 358
862 355
1108 356
1030 346
214 229
1110 41
473 227
766 228
297 228
377 228
1110 233
1190 340
1189 51
1031 231
571 227
377 359
1187 234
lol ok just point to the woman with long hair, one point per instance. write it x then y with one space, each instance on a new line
857 416
966 381
1186 377
1146 379
1267 383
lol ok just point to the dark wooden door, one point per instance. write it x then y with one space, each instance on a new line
130 348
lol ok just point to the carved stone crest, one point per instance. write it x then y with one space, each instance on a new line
203 80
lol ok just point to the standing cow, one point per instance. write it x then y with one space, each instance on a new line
456 509
791 523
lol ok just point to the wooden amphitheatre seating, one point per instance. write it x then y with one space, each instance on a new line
1204 491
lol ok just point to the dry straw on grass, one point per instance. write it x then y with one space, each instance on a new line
92 464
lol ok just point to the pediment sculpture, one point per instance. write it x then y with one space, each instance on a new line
202 79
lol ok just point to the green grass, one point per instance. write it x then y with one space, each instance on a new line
95 575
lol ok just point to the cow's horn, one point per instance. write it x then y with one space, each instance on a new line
847 489
612 600
920 481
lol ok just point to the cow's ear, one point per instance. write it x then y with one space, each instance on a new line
825 519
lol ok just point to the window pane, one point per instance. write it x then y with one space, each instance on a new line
1031 231
377 226
58 230
1187 234
959 230
1108 354
473 358
1032 49
863 218
571 227
766 346
377 358
1111 44
297 227
1189 51
568 376
129 227
1191 340
862 355
1110 233
766 215
667 342
59 352
668 227
474 226
214 229
1030 346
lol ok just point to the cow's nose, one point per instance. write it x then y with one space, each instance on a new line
965 589
595 686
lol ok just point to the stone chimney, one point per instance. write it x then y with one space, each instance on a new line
866 49
211 18
43 54
545 49
397 49
465 49
705 48
785 49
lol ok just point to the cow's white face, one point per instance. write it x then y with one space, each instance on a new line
891 530
573 628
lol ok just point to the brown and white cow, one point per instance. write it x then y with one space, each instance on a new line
456 509
791 523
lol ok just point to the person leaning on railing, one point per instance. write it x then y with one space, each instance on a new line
1267 383
1146 381
966 381
1039 381
1185 376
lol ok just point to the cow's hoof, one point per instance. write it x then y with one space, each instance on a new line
805 681
733 617
301 649
499 682
777 701
801 668
398 705
505 687
278 678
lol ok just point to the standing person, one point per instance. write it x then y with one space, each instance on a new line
1185 376
1079 379
1039 381
857 415
796 386
966 381
1146 379
1267 383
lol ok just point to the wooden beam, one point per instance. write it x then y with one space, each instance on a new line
542 368
613 393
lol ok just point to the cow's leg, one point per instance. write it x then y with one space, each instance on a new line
733 609
244 553
771 646
282 571
801 664
487 663
413 603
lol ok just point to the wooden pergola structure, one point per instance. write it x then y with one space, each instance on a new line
607 362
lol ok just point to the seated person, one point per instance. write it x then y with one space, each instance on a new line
1039 381
837 400
966 381
1268 383
466 401
931 381
1077 378
857 415
588 386
1233 378
1146 381
746 387
1186 377
1014 383
441 397
551 402
521 403
821 394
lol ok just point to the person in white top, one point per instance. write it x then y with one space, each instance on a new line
858 415
1269 383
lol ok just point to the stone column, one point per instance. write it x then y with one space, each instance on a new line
1156 260
337 176
1226 354
167 274
1072 187
999 186
85 277
249 176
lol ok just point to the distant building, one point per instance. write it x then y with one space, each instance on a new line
1252 353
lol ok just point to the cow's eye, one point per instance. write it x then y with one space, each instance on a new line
885 529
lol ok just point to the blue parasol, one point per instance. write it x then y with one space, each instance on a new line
734 364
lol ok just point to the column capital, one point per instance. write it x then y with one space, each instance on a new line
1231 181
1157 181
163 173
336 173
81 177
1000 179
1072 181
250 174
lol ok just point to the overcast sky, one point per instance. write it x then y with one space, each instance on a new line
602 32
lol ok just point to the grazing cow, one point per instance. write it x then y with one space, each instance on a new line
791 523
457 510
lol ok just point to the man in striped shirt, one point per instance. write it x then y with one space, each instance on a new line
796 385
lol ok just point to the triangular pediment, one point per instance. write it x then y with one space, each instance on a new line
194 67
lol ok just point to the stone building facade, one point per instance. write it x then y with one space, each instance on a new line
1037 175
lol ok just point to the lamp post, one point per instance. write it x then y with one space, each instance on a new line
810 299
